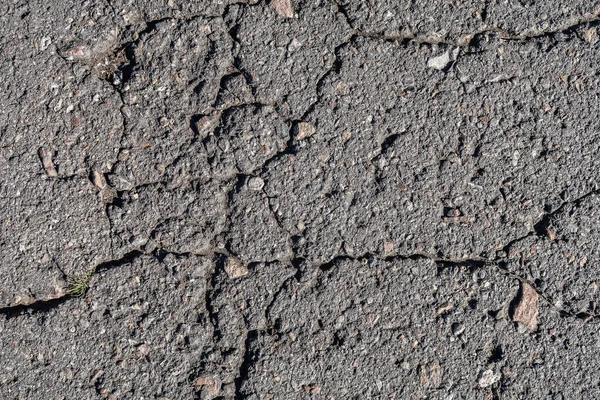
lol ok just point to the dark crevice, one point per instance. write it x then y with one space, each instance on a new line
125 71
484 12
289 149
328 266
367 257
299 264
45 305
335 68
211 292
125 259
284 285
39 306
541 227
237 62
468 39
342 10
471 264
389 142
194 125
249 359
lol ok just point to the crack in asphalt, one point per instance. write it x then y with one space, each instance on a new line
475 261
468 38
245 358
151 26
62 295
235 182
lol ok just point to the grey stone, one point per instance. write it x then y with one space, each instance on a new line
119 341
255 183
488 378
444 60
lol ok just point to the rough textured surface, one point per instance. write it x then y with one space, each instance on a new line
146 320
439 163
275 199
359 336
442 20
564 265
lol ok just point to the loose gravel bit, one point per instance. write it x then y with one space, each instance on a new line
283 8
526 311
46 157
304 130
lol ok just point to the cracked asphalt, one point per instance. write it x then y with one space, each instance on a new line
305 199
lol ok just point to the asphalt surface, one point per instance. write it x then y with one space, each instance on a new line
311 199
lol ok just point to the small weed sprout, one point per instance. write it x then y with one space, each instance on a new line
79 284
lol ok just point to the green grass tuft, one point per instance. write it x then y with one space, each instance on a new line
79 284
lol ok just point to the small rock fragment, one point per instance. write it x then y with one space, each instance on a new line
348 248
211 384
76 52
526 310
99 180
590 35
443 61
234 268
205 124
388 247
583 261
45 42
430 375
97 376
593 287
445 307
255 183
143 349
46 158
488 378
312 388
107 193
283 8
304 130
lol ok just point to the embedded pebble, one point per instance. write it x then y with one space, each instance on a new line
443 61
235 268
256 183
488 378
304 130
